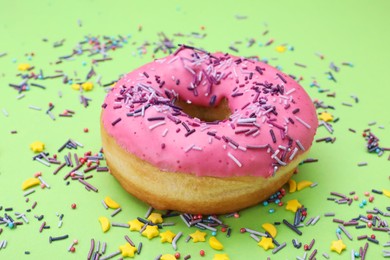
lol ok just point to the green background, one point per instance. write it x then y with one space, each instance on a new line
343 31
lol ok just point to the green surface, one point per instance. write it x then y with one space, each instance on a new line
344 31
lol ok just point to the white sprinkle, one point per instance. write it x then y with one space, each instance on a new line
302 122
300 145
190 70
290 91
275 154
235 160
35 107
198 148
315 220
28 192
210 139
165 132
151 127
5 113
20 96
43 162
242 148
189 148
293 153
246 120
280 161
232 146
256 238
256 133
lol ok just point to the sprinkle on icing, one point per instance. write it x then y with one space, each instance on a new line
264 105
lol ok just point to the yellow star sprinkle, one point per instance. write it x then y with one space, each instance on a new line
266 243
24 66
221 257
281 48
76 86
293 205
37 146
167 257
155 218
135 225
127 250
167 236
198 236
325 116
338 246
87 86
151 232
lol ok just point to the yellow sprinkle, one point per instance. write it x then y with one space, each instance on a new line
303 184
271 229
156 218
104 223
111 203
281 48
135 225
386 193
198 236
293 205
338 246
127 250
24 66
167 236
167 257
215 244
293 185
37 146
266 243
325 116
76 86
87 86
150 232
221 257
30 183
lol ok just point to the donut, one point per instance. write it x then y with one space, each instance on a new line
205 133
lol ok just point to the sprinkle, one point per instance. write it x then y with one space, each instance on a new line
116 212
151 127
303 122
362 164
292 227
175 239
116 121
239 164
277 249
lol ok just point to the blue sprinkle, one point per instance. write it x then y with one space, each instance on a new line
214 233
265 203
271 211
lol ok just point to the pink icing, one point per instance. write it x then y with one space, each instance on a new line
265 103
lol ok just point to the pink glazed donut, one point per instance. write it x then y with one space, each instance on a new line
205 133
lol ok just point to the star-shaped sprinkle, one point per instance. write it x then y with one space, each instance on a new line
24 66
338 246
221 257
167 257
167 236
155 218
281 48
198 236
151 232
37 146
127 250
293 205
325 116
75 86
87 86
266 243
135 225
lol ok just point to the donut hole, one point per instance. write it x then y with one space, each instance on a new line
219 112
